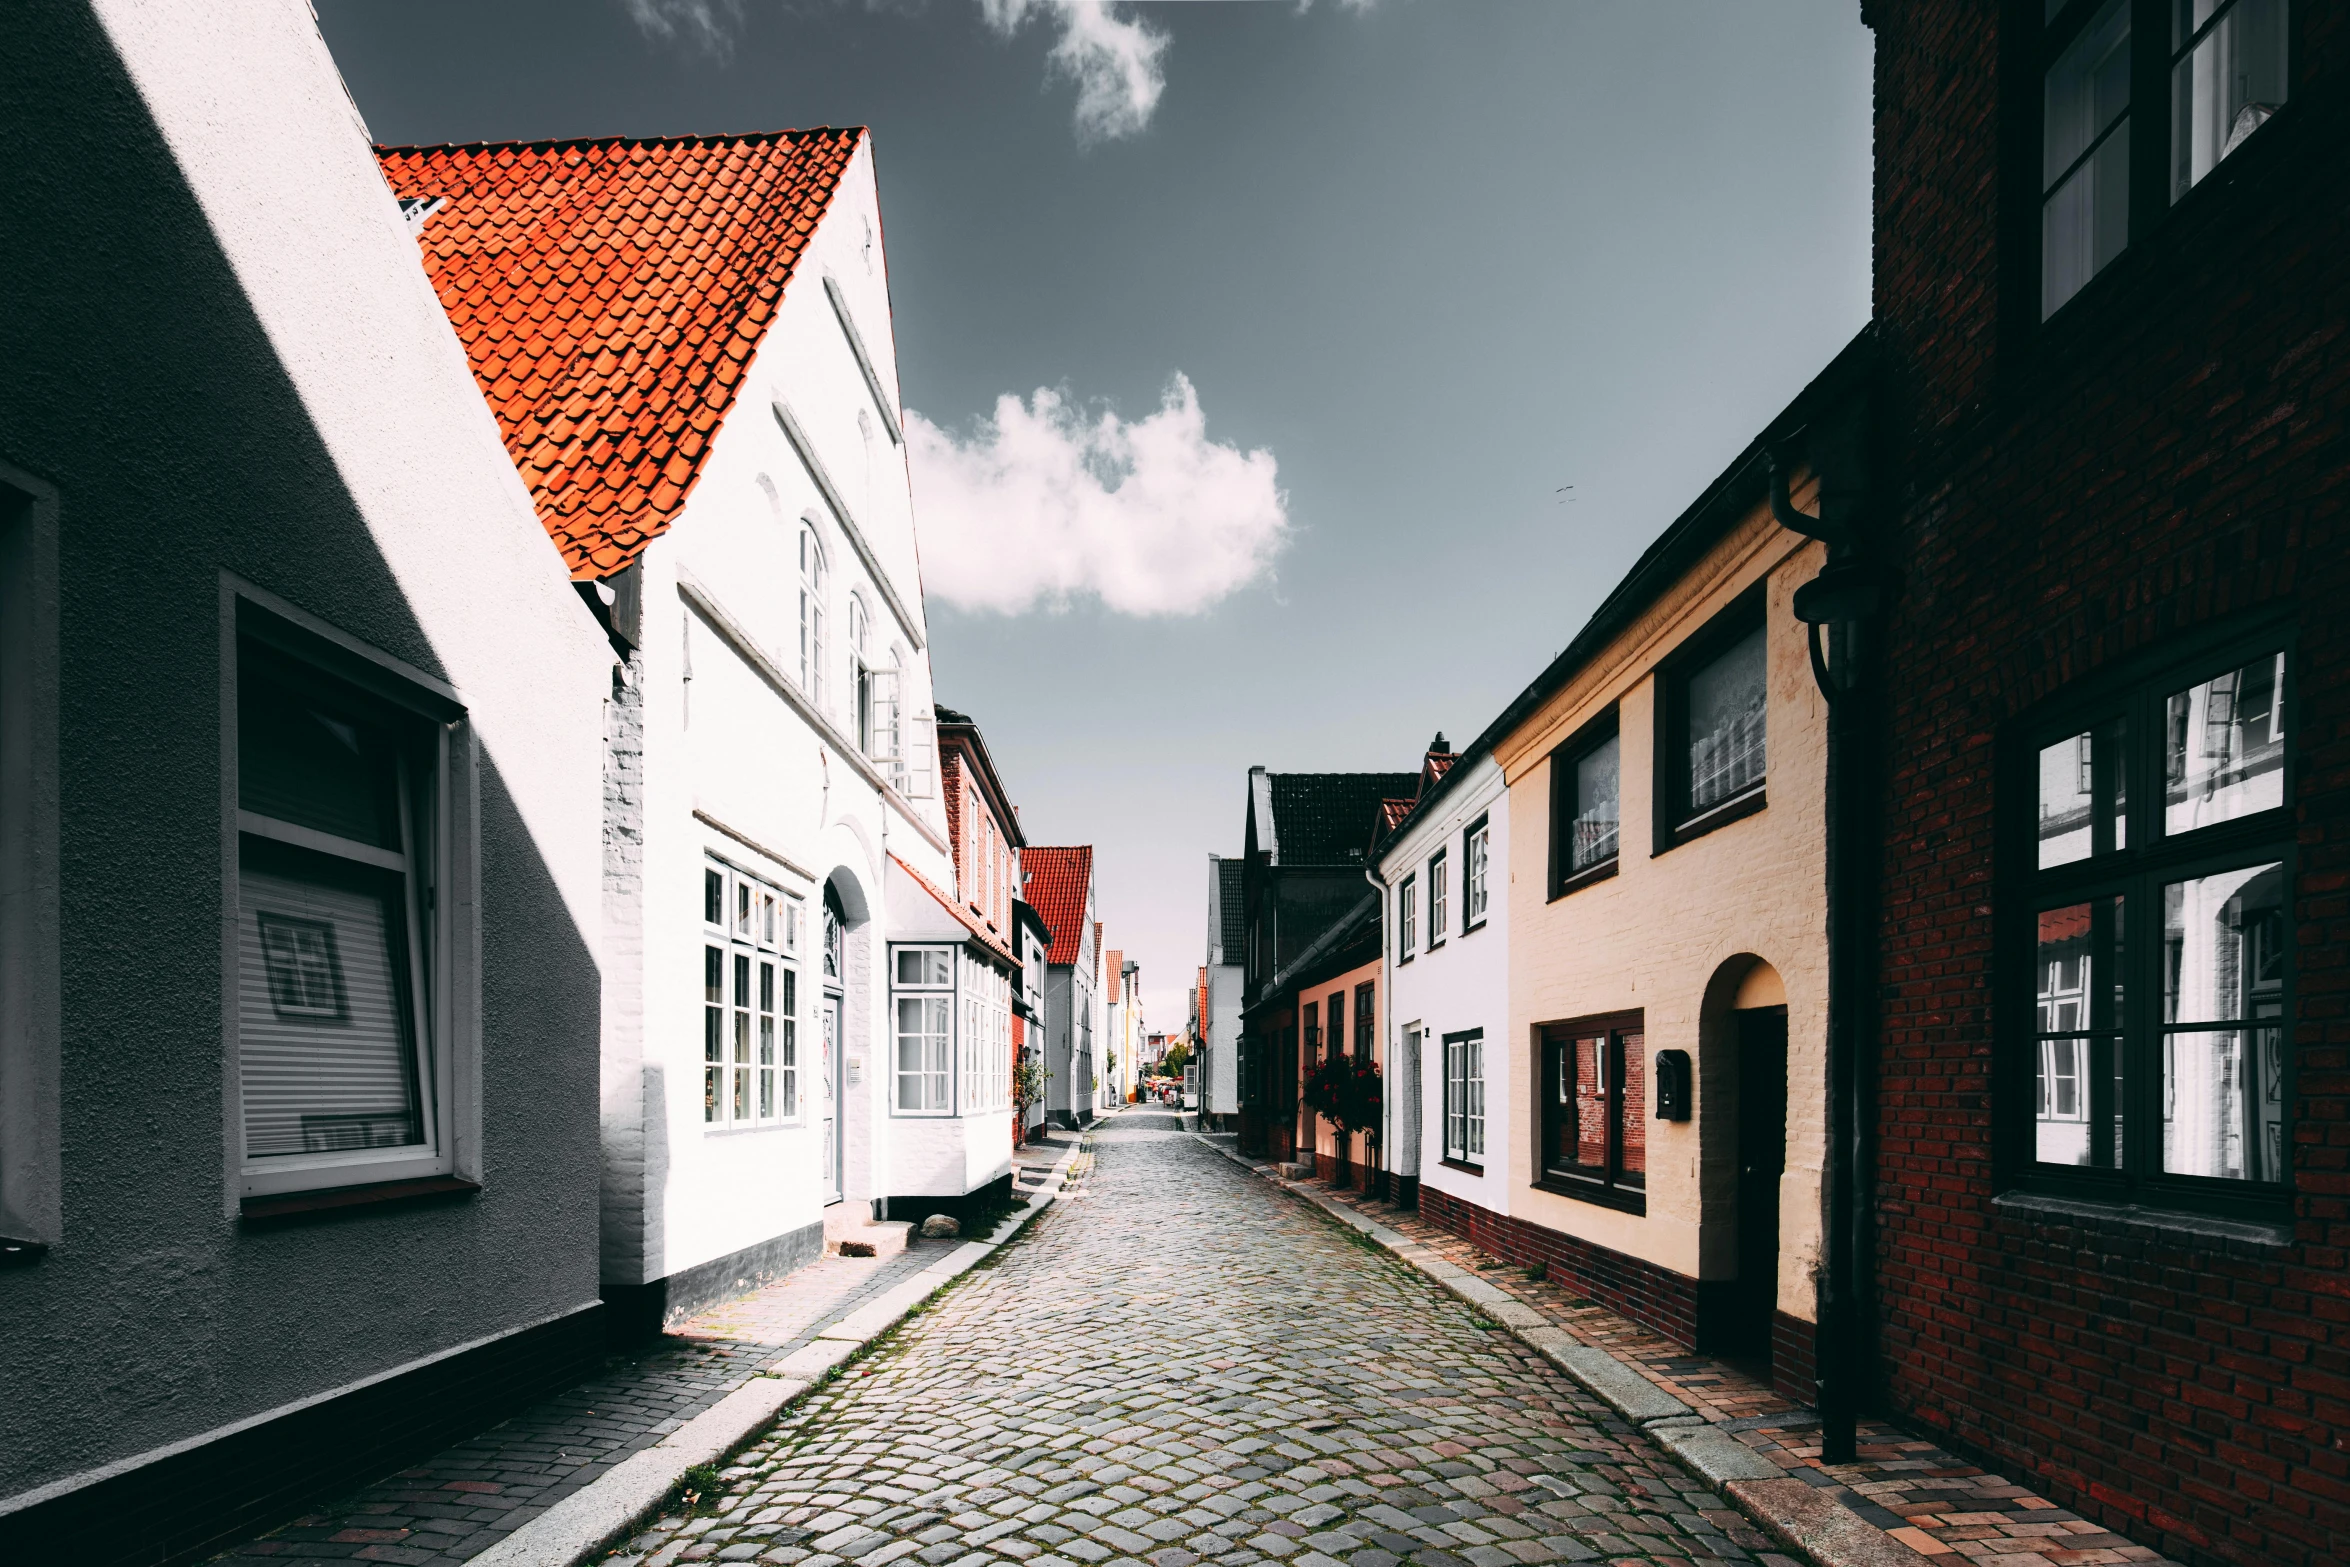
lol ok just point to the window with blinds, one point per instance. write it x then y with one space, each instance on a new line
336 805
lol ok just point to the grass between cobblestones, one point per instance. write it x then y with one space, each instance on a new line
1183 1367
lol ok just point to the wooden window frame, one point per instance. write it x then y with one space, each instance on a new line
1613 1186
1564 760
2137 871
1458 1155
1674 823
1476 874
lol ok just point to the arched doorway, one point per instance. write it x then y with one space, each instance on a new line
841 960
1746 1037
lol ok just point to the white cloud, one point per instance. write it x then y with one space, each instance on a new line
708 24
1115 59
1045 502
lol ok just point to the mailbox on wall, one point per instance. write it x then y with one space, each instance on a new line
1672 1085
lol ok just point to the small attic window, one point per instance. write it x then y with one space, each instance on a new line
416 209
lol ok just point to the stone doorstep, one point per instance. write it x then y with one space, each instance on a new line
1801 1517
854 1221
576 1529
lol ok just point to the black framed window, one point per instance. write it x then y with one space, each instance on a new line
2139 101
1334 1025
1310 1032
1593 1107
1439 898
1464 1097
1712 743
1407 919
1586 793
1366 1019
2159 939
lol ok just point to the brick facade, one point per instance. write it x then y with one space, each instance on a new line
2169 452
1656 1298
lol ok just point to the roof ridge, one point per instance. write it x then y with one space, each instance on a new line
683 139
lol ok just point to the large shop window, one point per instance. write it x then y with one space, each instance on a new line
2159 938
1464 1098
1594 1110
1712 755
750 999
923 997
1585 805
2111 162
344 1065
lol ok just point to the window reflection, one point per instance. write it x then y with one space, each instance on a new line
2223 964
1596 811
2225 747
2080 996
1726 701
2229 78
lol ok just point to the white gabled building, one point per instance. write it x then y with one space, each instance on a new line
688 344
1442 868
1222 978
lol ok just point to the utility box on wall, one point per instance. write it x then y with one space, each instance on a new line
1672 1085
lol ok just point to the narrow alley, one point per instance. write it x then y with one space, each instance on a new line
1181 1364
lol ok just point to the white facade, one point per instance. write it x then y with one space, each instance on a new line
1449 993
780 706
1123 1065
1219 1030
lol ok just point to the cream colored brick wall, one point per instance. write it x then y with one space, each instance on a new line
1678 934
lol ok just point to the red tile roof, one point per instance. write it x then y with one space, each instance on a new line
963 916
1392 813
1057 883
609 295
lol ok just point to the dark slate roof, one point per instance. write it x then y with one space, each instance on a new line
1229 875
1325 818
1350 943
1726 502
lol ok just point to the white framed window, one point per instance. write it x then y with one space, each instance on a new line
750 1000
1473 856
1439 897
812 588
922 997
1464 1097
346 1061
1407 919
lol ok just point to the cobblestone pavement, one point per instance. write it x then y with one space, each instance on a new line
1931 1501
1178 1364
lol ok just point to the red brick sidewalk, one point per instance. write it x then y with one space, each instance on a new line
1934 1503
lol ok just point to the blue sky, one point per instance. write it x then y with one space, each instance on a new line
1436 262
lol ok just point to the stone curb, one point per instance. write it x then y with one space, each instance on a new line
576 1528
1805 1520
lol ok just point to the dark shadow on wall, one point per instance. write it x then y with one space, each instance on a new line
135 377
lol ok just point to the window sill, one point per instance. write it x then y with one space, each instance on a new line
286 1205
1623 1199
1584 878
2129 1218
1463 1166
15 1253
752 1131
1406 958
1719 816
1471 930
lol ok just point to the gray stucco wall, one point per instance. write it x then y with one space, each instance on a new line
136 379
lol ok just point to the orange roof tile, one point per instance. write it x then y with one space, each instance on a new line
986 938
609 294
1057 882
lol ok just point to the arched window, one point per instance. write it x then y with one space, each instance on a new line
811 615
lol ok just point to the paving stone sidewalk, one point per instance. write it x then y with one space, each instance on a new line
1178 1364
1931 1501
461 1501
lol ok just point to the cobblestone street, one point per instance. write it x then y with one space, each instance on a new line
1180 1364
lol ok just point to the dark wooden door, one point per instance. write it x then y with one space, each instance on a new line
1762 1158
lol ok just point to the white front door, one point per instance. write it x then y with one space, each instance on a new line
830 1106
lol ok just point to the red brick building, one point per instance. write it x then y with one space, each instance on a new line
2112 1067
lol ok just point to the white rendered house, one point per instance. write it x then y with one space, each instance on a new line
688 342
1447 1098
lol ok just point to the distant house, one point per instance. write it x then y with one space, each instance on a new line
1221 978
1127 1041
300 808
1061 888
984 828
687 343
1303 872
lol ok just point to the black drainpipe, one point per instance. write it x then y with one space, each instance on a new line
1848 600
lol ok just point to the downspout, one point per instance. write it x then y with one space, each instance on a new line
1385 1010
1847 601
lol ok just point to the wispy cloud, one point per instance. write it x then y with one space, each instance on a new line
701 24
1115 58
1047 502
